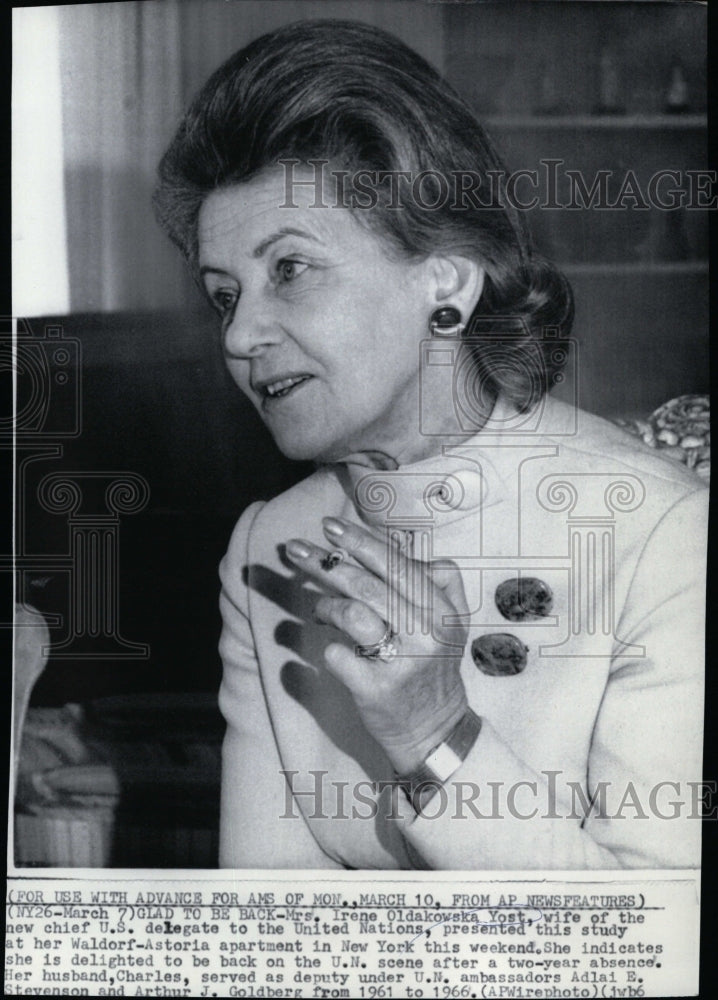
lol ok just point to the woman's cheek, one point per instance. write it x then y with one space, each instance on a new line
239 370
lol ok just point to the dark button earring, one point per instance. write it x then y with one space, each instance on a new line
528 597
446 322
499 654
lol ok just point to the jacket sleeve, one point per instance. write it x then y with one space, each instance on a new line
644 762
252 834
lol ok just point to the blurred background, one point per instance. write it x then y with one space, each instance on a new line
121 384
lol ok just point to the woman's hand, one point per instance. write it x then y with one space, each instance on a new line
411 702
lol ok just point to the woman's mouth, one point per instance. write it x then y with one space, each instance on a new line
282 387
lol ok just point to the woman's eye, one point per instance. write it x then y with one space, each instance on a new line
288 270
224 301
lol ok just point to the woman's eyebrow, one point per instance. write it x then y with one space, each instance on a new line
262 247
208 269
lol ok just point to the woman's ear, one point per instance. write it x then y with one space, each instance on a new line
457 281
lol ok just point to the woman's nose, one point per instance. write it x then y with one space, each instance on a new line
251 330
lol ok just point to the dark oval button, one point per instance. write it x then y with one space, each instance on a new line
528 597
499 654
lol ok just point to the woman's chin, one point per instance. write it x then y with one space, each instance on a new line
307 449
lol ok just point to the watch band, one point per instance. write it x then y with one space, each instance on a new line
440 763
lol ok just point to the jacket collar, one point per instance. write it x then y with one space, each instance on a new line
450 485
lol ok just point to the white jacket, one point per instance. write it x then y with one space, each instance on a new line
612 691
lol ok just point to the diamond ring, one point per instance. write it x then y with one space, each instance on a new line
384 650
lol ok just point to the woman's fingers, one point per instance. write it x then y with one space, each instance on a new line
354 618
415 598
346 666
352 581
446 575
407 577
409 690
363 627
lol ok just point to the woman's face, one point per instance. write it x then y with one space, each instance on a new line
321 329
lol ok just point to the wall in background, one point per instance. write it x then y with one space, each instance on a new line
618 88
128 72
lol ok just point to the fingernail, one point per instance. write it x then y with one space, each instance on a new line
333 527
298 549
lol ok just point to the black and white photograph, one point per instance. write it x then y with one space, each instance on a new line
361 463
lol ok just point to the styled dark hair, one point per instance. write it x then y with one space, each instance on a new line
358 98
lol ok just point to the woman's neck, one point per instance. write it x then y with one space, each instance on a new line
415 448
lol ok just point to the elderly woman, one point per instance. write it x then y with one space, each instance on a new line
472 638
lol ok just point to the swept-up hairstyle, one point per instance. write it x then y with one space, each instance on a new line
358 98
